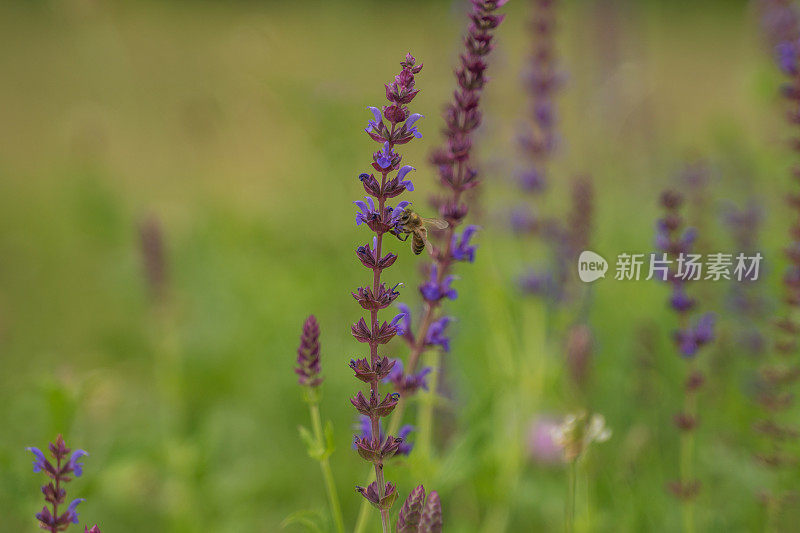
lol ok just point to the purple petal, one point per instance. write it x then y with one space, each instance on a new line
412 119
376 113
403 171
38 464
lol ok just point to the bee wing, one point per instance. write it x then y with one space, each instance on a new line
428 245
436 223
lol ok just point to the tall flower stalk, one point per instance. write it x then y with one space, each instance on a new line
392 125
538 144
66 463
574 436
676 242
458 176
318 441
746 300
781 371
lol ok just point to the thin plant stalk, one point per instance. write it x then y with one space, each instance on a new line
675 240
687 457
572 481
319 441
325 466
428 401
574 436
779 373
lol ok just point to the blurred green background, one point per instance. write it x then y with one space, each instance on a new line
239 125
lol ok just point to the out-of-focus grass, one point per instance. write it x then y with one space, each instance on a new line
239 125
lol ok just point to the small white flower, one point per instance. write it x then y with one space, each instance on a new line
578 431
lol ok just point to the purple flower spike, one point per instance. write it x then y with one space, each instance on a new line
675 240
778 372
418 515
457 174
382 220
65 464
308 355
539 142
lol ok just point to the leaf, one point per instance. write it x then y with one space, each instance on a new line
307 437
313 447
308 519
330 445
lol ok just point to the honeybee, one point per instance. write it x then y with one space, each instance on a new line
413 225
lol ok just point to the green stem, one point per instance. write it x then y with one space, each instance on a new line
686 460
769 521
325 466
425 420
569 521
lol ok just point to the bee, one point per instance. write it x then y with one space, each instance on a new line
413 225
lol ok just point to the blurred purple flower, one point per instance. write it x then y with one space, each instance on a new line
538 283
542 446
693 338
532 180
407 384
680 301
433 290
308 354
461 250
788 57
436 333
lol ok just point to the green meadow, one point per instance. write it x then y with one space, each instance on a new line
239 127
